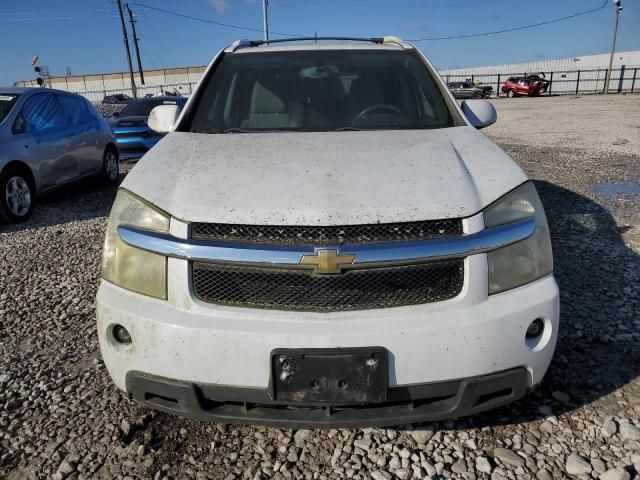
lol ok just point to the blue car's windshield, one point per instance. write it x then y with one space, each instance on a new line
7 101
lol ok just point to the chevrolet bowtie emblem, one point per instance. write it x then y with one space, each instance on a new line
327 261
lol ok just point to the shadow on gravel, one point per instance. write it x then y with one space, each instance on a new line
82 200
599 279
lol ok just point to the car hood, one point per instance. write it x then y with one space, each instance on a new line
123 122
324 178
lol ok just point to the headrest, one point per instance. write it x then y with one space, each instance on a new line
265 100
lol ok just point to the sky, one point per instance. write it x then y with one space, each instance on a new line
85 35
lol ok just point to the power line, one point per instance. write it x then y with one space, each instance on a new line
204 20
395 6
161 43
515 29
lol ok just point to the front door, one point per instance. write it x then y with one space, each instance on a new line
48 139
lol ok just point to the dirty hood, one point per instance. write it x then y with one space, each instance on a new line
324 178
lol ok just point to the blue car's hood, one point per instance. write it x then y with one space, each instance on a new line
126 122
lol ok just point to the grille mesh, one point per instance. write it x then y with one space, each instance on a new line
302 290
326 235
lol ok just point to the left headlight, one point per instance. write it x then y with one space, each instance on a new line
529 259
130 267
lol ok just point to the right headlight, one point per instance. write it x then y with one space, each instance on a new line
529 259
130 267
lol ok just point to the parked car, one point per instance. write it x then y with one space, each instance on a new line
324 238
130 127
465 90
117 99
48 139
487 90
531 85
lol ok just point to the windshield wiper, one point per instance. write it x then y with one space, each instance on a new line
226 130
348 129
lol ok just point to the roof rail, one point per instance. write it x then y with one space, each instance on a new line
312 39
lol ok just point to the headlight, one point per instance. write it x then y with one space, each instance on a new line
129 267
529 259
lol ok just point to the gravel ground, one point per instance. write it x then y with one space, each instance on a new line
60 416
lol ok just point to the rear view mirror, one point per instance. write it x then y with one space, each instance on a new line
480 113
163 118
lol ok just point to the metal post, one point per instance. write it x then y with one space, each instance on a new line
135 43
550 83
265 17
633 82
578 83
613 46
126 46
621 78
498 87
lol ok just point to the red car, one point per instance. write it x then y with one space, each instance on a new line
530 85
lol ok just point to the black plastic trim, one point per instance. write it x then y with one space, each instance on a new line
405 404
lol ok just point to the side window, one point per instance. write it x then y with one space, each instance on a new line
73 109
42 115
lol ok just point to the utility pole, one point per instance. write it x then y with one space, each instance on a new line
126 46
265 16
616 3
135 43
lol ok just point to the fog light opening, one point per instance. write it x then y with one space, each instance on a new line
121 334
535 329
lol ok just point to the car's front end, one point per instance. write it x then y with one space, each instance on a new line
326 278
133 135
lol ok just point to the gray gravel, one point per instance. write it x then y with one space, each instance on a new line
60 416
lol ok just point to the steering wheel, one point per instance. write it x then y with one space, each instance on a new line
373 108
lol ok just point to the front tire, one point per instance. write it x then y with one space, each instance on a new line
511 93
16 203
110 167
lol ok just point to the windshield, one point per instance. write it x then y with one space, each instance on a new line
319 90
143 108
7 101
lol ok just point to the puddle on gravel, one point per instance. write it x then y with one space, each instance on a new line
616 190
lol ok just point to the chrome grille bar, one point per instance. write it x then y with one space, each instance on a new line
377 254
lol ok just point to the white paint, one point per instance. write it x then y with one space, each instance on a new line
468 336
333 178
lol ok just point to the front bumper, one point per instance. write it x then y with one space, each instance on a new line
196 346
134 146
412 404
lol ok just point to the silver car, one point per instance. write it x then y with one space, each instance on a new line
465 90
49 138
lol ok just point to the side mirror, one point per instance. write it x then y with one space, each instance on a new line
163 118
480 113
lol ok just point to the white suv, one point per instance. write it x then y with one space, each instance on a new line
324 238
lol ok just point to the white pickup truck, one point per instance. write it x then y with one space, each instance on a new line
325 239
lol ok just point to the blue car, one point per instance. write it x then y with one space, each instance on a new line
130 127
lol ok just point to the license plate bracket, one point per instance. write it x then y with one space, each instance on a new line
330 376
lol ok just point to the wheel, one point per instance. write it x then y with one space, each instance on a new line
110 167
17 195
511 93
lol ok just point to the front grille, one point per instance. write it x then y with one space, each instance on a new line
326 235
303 290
